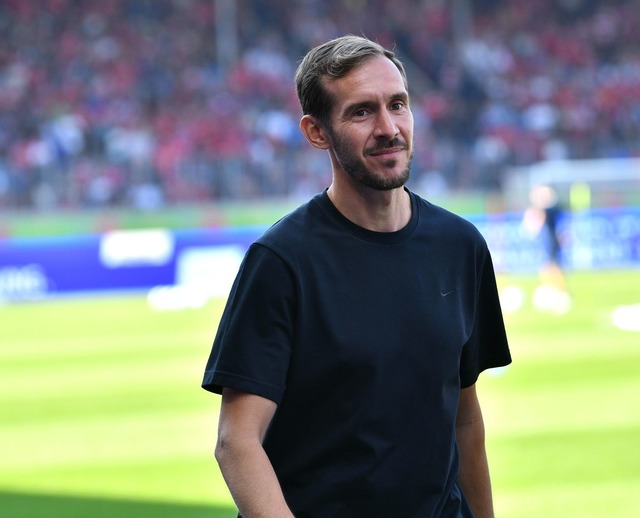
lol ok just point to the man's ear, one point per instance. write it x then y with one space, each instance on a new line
314 132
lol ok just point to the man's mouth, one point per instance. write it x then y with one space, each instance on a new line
391 148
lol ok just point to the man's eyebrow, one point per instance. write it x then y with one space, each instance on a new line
401 96
353 107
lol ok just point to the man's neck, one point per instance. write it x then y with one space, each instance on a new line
379 211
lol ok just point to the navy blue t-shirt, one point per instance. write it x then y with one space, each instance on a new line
364 340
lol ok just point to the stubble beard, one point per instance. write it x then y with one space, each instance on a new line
358 171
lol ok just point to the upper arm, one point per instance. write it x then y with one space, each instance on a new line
468 407
244 416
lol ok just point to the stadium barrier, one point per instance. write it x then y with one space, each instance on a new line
205 261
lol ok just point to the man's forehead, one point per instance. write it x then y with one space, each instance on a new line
375 75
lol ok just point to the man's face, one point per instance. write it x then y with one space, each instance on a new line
371 129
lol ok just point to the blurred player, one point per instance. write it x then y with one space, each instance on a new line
540 221
358 325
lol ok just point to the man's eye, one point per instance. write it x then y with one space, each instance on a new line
360 113
397 106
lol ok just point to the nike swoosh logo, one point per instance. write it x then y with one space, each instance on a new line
445 293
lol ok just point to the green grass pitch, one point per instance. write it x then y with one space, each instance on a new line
101 413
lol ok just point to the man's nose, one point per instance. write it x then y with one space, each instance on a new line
386 126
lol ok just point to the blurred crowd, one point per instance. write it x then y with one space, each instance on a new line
141 103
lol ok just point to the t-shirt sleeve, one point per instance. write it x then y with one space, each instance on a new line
252 347
487 347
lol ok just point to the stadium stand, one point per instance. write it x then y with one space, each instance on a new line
133 103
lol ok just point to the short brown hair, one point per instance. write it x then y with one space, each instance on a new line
332 60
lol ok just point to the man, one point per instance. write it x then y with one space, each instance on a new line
358 325
541 220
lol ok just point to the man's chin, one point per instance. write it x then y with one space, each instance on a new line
388 182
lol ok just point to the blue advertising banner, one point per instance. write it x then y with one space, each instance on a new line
32 268
597 239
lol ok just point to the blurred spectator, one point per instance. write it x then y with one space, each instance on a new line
123 102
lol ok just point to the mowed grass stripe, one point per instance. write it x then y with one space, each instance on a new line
104 384
108 440
48 351
563 499
557 460
189 479
104 375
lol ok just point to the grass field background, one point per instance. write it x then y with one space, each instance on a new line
102 414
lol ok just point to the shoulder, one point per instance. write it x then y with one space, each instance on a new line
294 222
447 224
295 227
